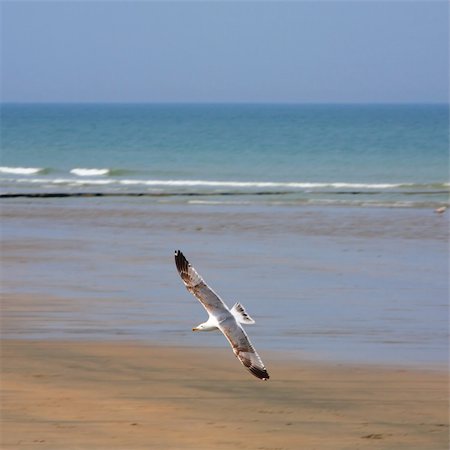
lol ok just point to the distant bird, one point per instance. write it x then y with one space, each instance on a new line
228 321
440 210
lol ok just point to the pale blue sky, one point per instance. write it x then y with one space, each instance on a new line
225 51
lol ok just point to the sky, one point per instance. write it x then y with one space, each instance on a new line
222 51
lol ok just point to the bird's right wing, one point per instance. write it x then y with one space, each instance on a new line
197 287
243 348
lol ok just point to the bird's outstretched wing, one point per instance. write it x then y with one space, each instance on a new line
243 348
197 287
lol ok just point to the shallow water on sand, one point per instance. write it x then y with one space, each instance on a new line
350 284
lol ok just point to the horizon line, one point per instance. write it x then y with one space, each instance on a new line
287 103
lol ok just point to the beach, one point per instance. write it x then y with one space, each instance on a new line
97 395
98 353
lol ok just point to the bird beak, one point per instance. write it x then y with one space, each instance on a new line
194 329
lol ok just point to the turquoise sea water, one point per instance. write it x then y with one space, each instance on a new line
394 155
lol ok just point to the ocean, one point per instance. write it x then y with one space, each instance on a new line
319 219
361 155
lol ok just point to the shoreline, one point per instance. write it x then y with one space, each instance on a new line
281 357
82 318
338 199
97 395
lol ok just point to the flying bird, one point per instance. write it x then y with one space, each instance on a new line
228 321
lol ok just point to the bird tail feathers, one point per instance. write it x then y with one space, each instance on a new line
241 315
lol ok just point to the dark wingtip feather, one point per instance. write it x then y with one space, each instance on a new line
181 263
179 256
259 373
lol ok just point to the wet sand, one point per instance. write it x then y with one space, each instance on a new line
91 355
332 283
104 395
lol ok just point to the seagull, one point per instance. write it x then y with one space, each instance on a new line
228 321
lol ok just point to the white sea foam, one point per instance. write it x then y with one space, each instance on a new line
89 182
217 202
21 170
269 186
81 172
57 181
258 184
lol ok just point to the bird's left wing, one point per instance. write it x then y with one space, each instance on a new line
197 287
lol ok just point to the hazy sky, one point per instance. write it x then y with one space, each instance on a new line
338 51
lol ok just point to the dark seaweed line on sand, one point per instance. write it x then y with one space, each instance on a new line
131 194
194 194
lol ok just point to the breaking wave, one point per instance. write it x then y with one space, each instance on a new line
23 170
86 177
89 172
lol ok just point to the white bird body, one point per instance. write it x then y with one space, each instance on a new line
237 311
228 321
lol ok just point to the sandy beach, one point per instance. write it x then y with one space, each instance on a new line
98 353
91 395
